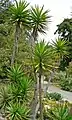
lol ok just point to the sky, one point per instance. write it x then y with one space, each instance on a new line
59 9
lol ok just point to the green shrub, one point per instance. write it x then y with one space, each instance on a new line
54 96
66 84
16 95
58 112
15 111
65 80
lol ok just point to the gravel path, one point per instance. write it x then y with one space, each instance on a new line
65 94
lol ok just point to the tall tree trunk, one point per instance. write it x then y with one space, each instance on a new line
15 46
34 103
35 97
40 95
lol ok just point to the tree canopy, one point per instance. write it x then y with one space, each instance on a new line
64 30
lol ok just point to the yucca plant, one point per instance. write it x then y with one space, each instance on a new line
26 87
14 92
39 20
21 92
15 73
20 86
19 16
60 48
15 111
41 57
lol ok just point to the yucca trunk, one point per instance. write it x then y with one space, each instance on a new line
35 35
35 97
40 94
34 100
15 46
34 103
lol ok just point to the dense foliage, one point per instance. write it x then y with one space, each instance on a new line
64 30
15 97
24 61
65 78
58 111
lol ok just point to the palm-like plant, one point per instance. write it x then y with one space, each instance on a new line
39 20
17 112
41 56
60 48
19 15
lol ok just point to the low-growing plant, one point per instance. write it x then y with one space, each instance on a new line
17 112
4 99
64 80
58 112
66 84
54 96
16 95
15 73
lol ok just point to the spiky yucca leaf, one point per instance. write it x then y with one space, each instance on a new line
19 12
39 20
60 47
15 73
17 112
42 55
5 98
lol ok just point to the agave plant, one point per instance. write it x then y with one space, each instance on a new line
20 86
15 73
59 112
17 112
26 88
4 98
14 92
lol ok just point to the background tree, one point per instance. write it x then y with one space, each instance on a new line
64 31
4 10
60 48
5 37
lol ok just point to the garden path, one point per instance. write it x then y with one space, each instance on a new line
65 94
